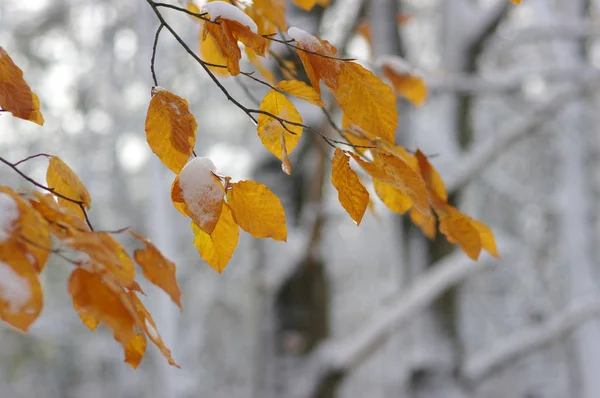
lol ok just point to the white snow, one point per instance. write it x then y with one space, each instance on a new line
200 189
151 330
397 64
156 89
225 10
14 289
303 37
9 213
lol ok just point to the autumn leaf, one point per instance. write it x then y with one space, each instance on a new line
353 196
170 129
301 90
515 1
432 178
21 299
15 95
157 268
63 222
198 193
232 26
270 130
425 223
271 10
255 60
315 55
134 350
147 325
406 81
106 252
211 52
218 247
356 135
393 198
486 236
257 210
308 5
93 298
63 181
367 101
458 229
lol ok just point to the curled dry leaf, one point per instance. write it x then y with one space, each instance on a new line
353 196
257 210
21 298
170 129
15 95
271 132
198 193
217 247
65 182
157 268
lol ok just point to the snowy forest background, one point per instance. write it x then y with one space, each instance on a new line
376 311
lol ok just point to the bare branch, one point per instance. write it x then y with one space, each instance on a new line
524 342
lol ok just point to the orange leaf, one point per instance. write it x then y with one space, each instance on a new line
134 350
146 323
198 193
257 210
211 52
271 10
458 229
351 193
515 1
15 95
364 30
402 18
308 5
270 130
393 198
487 237
434 182
170 129
367 101
316 66
65 182
93 298
218 247
426 223
106 252
157 268
21 299
301 90
63 222
405 80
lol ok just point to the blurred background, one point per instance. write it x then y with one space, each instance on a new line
377 311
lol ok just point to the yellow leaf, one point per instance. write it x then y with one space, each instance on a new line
315 59
487 237
106 252
308 5
426 223
301 90
211 52
170 129
515 1
15 95
134 350
357 136
367 101
434 182
405 80
157 268
458 229
257 210
270 130
198 193
146 324
21 299
65 182
393 198
351 193
218 247
271 10
63 222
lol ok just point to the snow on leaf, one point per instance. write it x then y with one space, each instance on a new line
157 268
65 182
21 299
351 193
405 80
367 101
257 210
218 247
15 95
317 67
9 213
394 198
224 10
134 350
270 130
170 129
198 193
301 90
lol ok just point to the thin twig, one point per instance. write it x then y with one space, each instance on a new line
201 16
288 43
154 53
31 157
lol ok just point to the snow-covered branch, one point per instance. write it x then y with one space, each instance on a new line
525 341
474 162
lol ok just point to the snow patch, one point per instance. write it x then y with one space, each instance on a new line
397 64
156 89
9 213
225 10
14 289
152 332
304 38
200 189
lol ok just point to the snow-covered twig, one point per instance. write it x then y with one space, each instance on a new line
525 341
